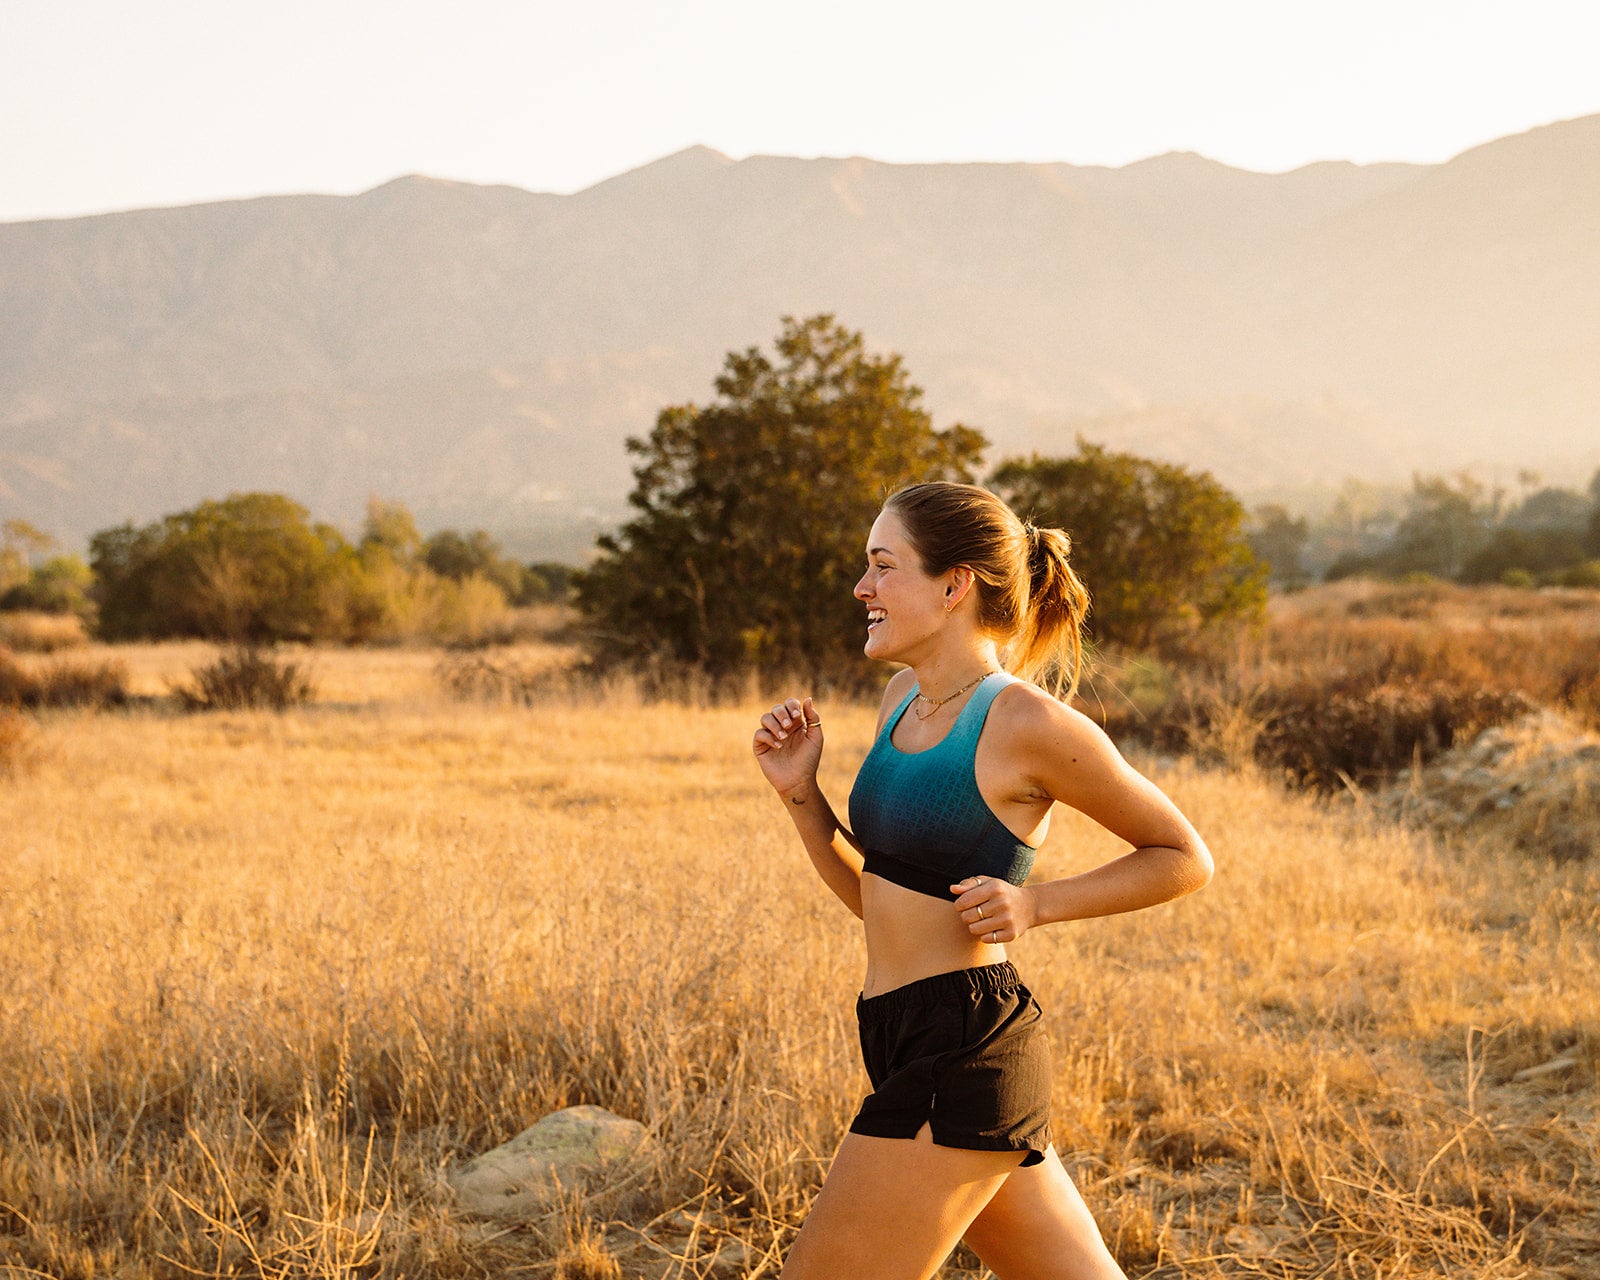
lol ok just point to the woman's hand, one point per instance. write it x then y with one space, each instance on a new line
995 910
788 746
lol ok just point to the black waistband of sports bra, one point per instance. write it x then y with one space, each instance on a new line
985 979
936 884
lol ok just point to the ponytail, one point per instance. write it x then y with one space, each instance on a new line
1048 648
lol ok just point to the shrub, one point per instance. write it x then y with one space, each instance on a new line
245 678
1585 575
1318 736
1367 737
40 632
477 677
62 684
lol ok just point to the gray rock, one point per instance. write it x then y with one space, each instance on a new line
521 1178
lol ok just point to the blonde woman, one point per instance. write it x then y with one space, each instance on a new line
953 1143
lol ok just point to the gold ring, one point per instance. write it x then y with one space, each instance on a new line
980 911
812 724
994 937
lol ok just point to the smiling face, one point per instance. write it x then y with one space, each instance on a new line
905 607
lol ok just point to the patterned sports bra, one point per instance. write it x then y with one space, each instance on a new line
919 815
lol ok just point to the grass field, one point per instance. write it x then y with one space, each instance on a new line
267 977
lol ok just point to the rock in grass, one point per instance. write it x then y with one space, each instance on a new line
520 1178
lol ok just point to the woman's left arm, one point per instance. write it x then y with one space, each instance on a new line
1069 758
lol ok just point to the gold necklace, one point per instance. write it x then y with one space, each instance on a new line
935 703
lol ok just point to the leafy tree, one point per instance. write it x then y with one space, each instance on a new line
1161 548
251 567
546 582
1278 541
60 585
390 530
753 510
1549 508
457 557
1448 522
1591 541
1534 552
19 542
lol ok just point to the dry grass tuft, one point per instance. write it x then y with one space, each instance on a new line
270 975
247 678
61 683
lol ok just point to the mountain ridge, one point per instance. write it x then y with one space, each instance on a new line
393 340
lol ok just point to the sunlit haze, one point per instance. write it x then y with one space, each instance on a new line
107 105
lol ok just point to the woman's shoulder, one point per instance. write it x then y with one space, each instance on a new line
1033 717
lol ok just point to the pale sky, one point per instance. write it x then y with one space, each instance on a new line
115 104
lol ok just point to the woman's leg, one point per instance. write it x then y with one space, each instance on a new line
1037 1227
893 1208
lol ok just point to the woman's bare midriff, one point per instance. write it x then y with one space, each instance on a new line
911 935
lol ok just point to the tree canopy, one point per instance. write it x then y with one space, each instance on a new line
752 511
254 568
1161 548
250 567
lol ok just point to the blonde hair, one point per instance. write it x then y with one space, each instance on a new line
1029 598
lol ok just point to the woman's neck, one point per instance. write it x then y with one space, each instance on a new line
940 675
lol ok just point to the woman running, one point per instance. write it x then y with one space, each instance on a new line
946 813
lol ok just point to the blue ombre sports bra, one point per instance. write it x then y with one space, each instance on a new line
919 815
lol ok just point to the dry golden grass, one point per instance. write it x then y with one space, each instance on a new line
267 976
27 632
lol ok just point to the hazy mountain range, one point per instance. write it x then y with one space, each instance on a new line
481 352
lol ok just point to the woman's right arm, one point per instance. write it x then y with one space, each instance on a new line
788 746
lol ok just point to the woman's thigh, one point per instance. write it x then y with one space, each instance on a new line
893 1208
1037 1227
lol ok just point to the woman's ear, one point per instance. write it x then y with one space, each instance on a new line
956 589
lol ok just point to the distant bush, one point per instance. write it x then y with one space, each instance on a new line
60 585
546 582
1585 575
1321 740
480 678
40 632
247 678
1358 681
1535 552
251 568
254 569
62 684
1315 736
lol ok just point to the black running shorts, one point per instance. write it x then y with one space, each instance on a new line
962 1052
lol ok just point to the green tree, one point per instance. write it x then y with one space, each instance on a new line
1278 540
1532 552
390 530
60 585
1448 522
250 568
1549 508
546 582
1161 548
753 510
459 557
19 543
1591 541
